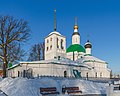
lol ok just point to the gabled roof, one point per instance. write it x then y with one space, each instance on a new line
75 47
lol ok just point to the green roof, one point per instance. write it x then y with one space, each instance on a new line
75 47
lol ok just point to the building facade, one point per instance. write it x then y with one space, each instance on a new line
79 60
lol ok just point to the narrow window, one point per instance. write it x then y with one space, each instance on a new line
65 73
50 39
96 74
47 41
51 47
62 44
18 73
47 48
24 73
57 43
87 74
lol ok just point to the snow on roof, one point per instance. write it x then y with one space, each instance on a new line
62 61
55 32
89 58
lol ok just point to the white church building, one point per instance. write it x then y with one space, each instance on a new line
74 61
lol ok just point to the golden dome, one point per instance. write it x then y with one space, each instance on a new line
75 27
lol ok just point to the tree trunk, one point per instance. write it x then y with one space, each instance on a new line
5 63
39 53
43 54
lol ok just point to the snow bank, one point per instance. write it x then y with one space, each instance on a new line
30 87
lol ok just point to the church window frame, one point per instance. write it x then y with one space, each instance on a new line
50 39
62 44
47 48
96 74
18 73
57 43
50 46
65 73
47 41
87 75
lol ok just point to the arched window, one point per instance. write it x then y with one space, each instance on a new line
87 75
65 73
50 39
96 74
47 41
51 47
62 44
57 43
30 73
47 48
18 73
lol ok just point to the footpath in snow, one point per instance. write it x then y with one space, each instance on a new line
31 87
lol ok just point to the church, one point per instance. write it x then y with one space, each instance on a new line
75 61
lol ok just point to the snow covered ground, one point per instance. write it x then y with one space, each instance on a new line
30 87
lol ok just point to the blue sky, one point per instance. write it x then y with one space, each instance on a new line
100 19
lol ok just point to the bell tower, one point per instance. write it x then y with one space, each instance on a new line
55 43
75 35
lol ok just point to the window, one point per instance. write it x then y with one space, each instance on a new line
51 47
87 74
30 73
96 74
65 73
47 48
57 43
18 73
24 73
62 44
50 39
47 41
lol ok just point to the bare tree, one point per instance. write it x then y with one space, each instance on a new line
15 52
43 49
12 31
36 52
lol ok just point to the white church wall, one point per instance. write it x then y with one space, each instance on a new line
42 70
99 70
88 50
57 49
75 39
76 55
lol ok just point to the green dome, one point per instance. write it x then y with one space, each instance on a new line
75 47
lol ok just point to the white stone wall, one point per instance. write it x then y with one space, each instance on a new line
58 70
88 50
57 49
76 39
43 70
76 55
98 68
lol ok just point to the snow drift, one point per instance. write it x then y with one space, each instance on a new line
30 87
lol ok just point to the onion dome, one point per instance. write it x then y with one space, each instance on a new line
88 44
75 30
75 27
75 47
